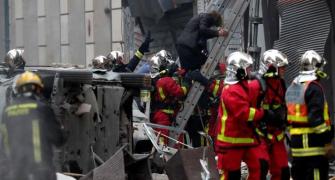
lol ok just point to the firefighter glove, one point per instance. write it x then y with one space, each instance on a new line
273 118
281 114
145 45
172 69
269 116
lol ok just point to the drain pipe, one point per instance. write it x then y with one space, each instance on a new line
6 12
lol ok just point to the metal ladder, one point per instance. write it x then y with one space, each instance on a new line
236 10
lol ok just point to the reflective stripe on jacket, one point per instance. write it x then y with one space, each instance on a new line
236 117
307 138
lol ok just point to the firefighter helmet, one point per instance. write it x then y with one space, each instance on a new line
271 60
99 62
117 58
14 59
238 62
27 78
161 61
312 61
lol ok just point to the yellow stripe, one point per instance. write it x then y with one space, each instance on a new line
202 141
184 90
265 106
21 106
161 140
316 173
296 118
297 110
252 112
303 152
221 135
222 177
168 111
280 136
319 129
298 131
209 112
4 133
36 141
207 128
269 136
216 87
326 112
305 140
161 93
139 54
269 74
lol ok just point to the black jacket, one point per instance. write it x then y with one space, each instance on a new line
314 98
127 68
197 31
29 132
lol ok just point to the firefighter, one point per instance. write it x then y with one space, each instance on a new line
14 61
269 93
168 91
236 140
205 113
118 63
161 65
192 42
29 131
310 128
100 62
215 90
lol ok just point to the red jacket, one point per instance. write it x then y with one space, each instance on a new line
215 87
215 90
168 90
273 97
236 117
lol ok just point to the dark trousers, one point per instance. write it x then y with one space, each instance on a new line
310 168
194 125
190 59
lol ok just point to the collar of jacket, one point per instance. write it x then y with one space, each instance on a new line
305 76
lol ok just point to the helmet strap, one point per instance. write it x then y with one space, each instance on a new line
321 74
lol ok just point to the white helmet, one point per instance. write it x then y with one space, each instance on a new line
238 62
311 67
272 59
117 57
14 58
99 62
312 61
161 60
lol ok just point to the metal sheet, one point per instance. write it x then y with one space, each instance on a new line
113 168
185 164
305 26
107 131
